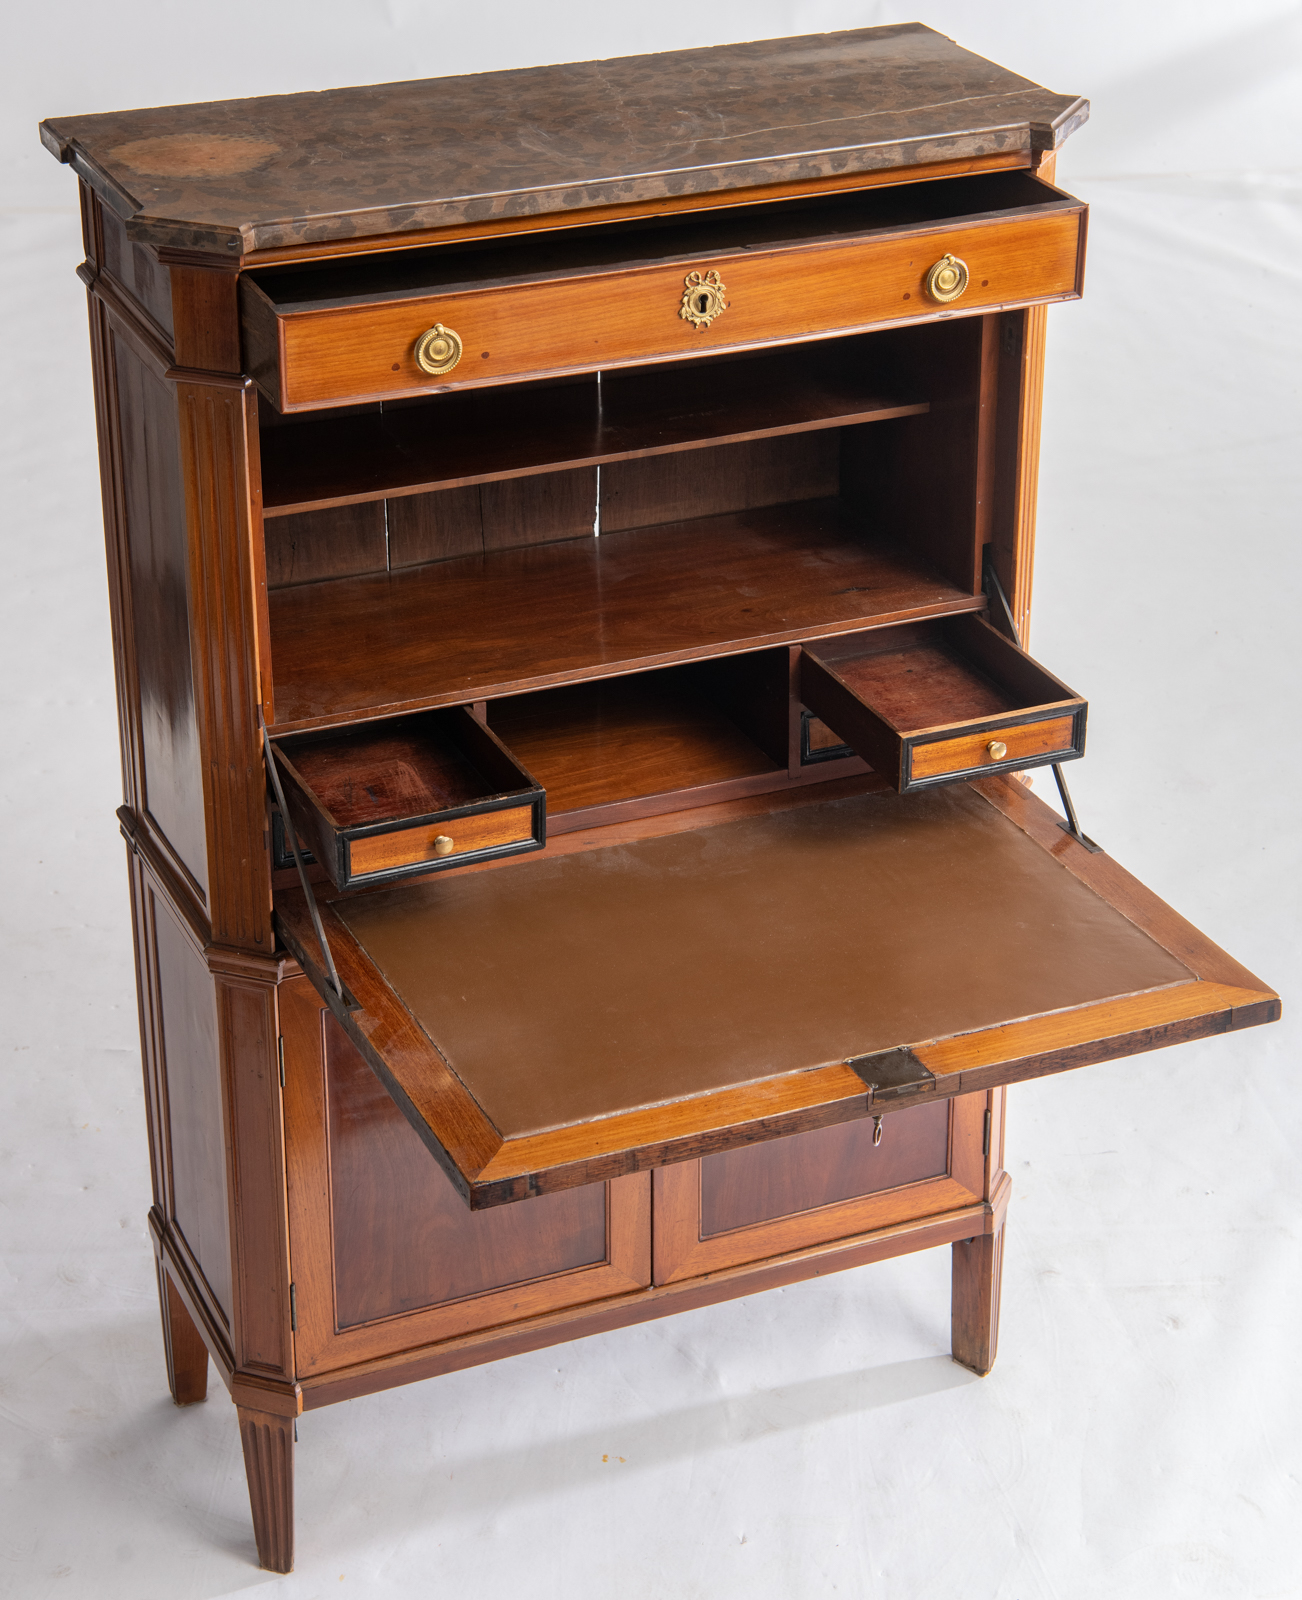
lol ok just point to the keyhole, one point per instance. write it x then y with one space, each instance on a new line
702 302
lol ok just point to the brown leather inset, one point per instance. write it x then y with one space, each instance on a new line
572 987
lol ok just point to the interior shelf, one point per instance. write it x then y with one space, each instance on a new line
454 440
480 627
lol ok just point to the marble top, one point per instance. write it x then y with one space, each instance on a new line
242 175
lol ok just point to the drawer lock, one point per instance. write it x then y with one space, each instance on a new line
947 279
438 351
702 299
997 749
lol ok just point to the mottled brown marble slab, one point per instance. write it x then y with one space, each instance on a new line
241 175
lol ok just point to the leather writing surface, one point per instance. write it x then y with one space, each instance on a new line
568 988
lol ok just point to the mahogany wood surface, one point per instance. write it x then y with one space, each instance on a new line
695 976
1029 744
600 742
190 1088
403 1238
924 703
183 1346
268 1444
383 1371
483 831
779 1179
465 630
402 1262
934 1171
155 659
464 438
978 1266
346 355
338 541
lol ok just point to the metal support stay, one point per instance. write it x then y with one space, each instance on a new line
292 836
995 591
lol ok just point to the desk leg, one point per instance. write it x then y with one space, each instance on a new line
974 1300
187 1357
269 1466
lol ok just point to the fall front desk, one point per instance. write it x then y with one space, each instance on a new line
616 505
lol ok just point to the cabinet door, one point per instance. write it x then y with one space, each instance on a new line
385 1254
812 1188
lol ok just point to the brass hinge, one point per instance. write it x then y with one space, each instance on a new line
985 1137
293 1308
280 1056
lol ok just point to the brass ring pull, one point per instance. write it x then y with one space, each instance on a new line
947 279
443 845
998 749
438 351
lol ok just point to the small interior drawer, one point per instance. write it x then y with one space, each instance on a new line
574 300
931 702
406 795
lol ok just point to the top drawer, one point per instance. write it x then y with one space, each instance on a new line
349 331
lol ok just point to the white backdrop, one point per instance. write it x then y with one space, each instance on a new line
1139 1436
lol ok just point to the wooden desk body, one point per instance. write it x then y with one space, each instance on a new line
614 536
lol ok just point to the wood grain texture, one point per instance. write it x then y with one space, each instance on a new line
483 831
183 1346
347 355
134 268
594 744
420 1240
206 318
338 542
163 764
196 1194
458 439
464 630
927 1182
732 477
268 1444
976 1279
383 1371
245 994
218 425
790 1177
403 1239
1027 743
434 527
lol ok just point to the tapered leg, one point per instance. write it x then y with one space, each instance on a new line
187 1358
269 1466
974 1300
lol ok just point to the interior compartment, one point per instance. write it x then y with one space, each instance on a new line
408 794
686 735
650 556
941 700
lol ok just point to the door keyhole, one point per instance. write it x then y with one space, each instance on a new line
702 302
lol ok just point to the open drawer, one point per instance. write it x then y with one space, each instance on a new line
612 1006
408 794
931 702
573 300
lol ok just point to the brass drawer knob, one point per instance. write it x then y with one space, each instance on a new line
443 845
998 749
438 351
947 279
